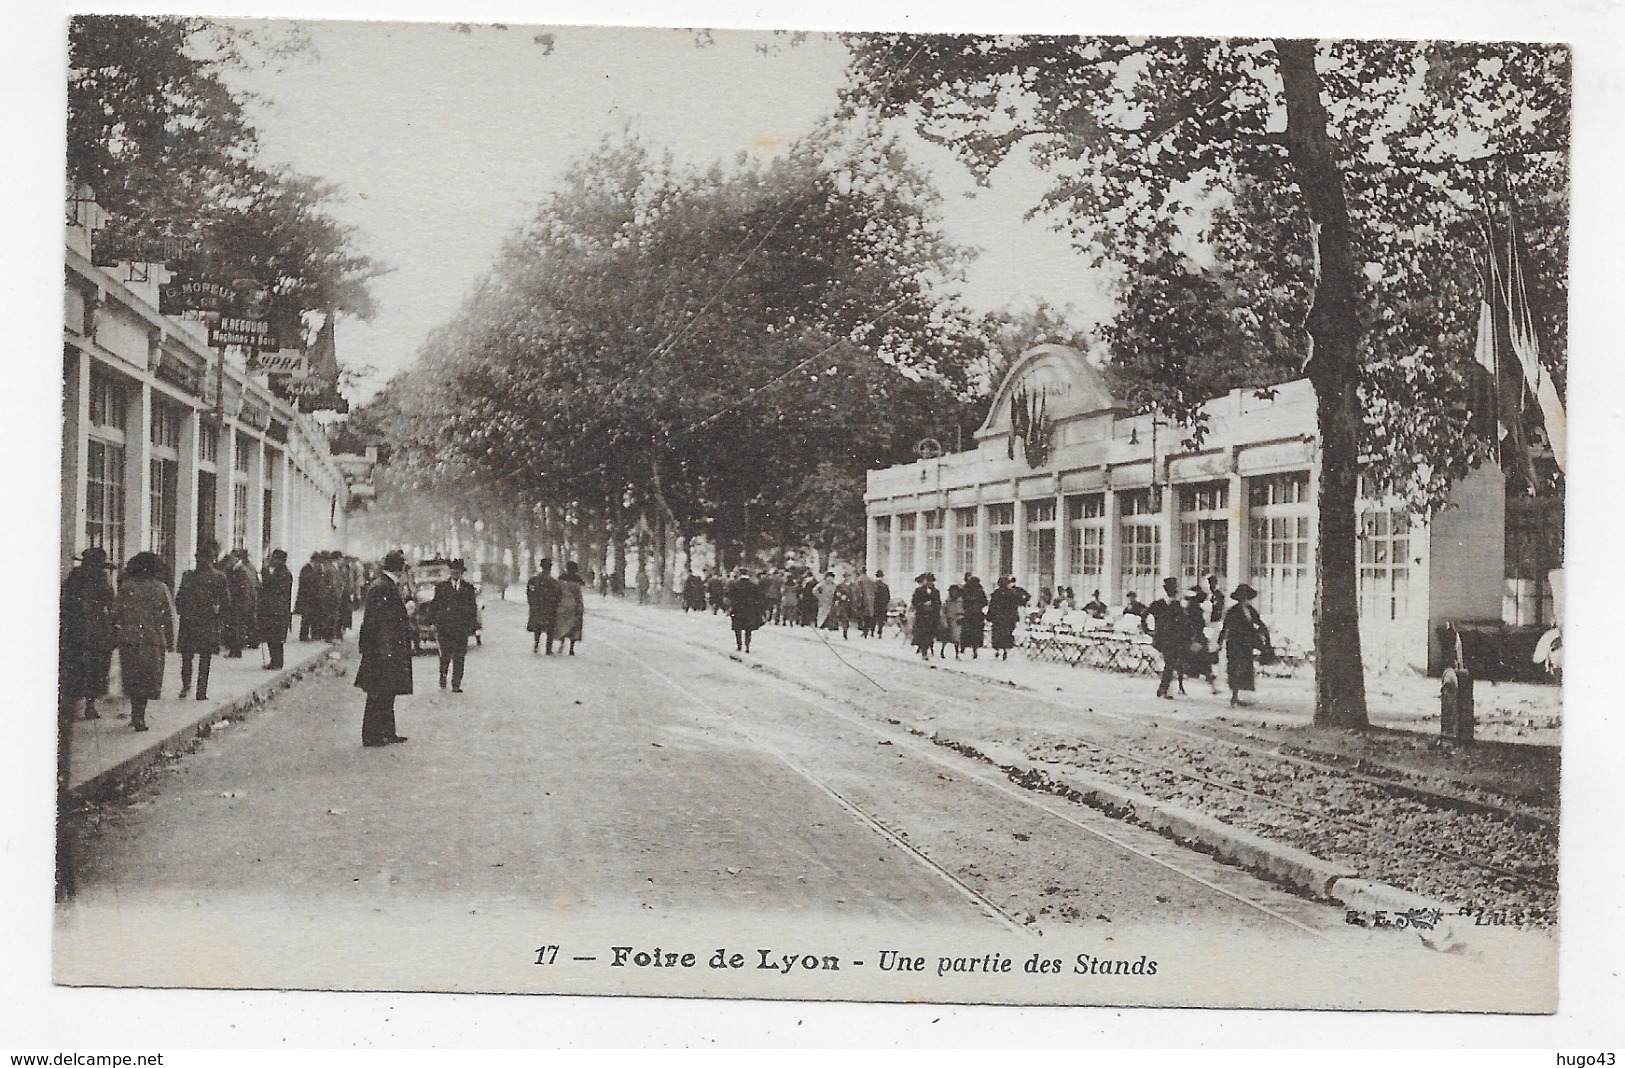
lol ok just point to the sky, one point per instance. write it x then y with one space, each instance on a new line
442 142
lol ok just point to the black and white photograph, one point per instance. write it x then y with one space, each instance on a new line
873 515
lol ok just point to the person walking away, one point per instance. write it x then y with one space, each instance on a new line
542 593
568 619
1242 634
715 592
86 636
275 614
201 603
305 602
1003 613
643 582
926 609
455 613
882 603
744 609
953 618
973 626
385 641
1168 637
1199 654
146 631
693 593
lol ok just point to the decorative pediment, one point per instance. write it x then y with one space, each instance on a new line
1054 380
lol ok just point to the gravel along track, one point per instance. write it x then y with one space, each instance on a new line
1473 860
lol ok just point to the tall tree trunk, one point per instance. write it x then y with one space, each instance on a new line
617 545
1334 370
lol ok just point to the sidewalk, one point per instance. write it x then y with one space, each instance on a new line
1517 712
105 750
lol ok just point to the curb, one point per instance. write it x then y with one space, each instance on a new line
100 783
1320 879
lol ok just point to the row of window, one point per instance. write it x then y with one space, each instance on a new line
106 487
1278 530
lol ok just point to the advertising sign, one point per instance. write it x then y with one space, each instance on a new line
285 362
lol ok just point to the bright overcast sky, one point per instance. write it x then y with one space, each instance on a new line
442 142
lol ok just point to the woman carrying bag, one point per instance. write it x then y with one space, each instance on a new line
1242 635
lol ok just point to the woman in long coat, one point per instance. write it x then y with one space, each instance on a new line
925 607
744 609
86 636
568 618
1003 613
973 627
146 631
789 598
1242 634
275 613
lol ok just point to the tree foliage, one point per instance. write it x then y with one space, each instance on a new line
1168 161
1348 175
167 148
704 347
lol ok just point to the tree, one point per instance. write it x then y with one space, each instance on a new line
694 351
167 148
1366 154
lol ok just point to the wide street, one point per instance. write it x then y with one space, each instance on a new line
655 790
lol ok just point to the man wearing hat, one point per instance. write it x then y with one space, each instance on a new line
386 652
86 634
275 615
1168 635
202 601
455 615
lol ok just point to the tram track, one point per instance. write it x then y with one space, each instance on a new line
984 772
1392 855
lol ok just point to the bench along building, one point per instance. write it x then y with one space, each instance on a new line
150 460
1092 498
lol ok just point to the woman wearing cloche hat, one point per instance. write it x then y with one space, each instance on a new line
1242 635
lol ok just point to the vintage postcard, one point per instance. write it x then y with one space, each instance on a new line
1029 519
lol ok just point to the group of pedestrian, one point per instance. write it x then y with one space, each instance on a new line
556 607
968 619
219 604
329 591
1180 621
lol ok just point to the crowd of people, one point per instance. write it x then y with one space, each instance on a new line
1189 628
220 607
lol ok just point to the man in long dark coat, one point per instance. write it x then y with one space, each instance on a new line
305 604
716 591
973 627
455 613
245 595
201 602
542 593
386 652
1168 635
86 635
744 609
882 603
275 607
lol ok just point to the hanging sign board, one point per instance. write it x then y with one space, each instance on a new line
285 362
255 333
193 295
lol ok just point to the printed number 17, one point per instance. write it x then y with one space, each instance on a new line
547 954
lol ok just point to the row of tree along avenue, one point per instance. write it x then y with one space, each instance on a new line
662 355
